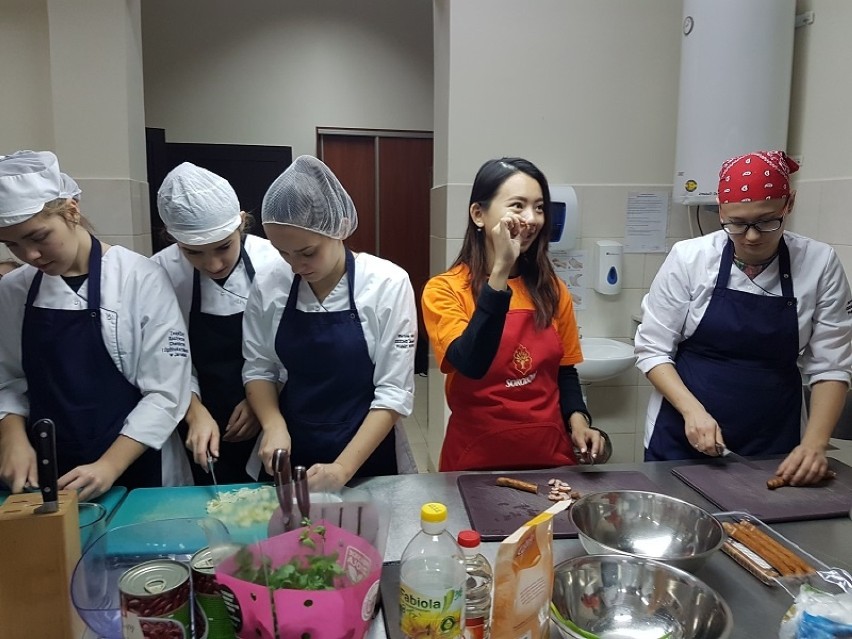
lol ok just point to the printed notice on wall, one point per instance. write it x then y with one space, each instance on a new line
570 267
647 218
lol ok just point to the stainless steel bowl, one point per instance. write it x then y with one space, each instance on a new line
622 597
648 525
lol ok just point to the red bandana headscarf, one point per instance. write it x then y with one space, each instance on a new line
763 175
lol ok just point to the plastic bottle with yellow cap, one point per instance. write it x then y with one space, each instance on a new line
432 580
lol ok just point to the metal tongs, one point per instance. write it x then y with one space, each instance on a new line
287 483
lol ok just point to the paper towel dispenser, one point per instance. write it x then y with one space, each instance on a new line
563 217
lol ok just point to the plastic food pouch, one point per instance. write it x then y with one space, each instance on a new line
523 579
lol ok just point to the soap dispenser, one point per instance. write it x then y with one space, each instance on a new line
608 262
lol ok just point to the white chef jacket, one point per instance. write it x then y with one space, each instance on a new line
144 335
385 302
215 299
681 292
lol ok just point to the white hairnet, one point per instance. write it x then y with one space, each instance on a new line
69 188
198 206
28 181
309 196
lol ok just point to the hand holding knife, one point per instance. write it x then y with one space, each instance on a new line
724 451
210 463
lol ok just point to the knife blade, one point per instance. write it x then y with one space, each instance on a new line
210 464
725 452
303 496
44 432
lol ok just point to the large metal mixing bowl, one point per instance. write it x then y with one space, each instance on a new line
649 525
623 597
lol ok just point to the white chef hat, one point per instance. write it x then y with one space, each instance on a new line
69 188
309 196
198 206
28 181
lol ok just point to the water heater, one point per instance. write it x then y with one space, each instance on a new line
735 73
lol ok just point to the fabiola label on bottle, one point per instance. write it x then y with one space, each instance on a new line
431 616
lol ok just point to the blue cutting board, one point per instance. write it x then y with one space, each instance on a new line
150 504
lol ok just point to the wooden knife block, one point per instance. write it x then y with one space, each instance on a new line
38 554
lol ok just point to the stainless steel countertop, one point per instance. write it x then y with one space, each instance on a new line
757 608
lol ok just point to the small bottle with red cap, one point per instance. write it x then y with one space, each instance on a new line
480 578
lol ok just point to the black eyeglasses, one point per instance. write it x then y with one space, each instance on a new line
763 226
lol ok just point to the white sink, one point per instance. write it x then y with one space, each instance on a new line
604 358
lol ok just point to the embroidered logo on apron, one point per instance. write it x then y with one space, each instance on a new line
522 359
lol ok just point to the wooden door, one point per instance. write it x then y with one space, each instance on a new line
353 161
405 183
389 177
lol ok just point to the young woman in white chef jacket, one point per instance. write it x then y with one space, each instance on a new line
92 338
211 266
329 338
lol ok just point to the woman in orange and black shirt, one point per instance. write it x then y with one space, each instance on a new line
502 327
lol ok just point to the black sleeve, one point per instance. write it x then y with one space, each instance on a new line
472 352
570 395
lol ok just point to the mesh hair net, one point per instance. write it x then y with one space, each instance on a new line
309 196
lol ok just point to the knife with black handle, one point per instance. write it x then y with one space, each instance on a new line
44 435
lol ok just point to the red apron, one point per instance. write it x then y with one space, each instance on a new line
510 419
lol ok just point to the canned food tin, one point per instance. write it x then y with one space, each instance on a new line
208 597
155 600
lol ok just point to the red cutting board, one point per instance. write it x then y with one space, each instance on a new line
735 486
495 512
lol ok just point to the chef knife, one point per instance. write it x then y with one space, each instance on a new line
724 451
44 433
210 463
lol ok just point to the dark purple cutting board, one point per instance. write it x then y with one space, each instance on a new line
735 486
495 512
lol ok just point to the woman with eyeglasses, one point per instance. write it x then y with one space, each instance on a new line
734 319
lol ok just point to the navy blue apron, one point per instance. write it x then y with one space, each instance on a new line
741 364
329 385
72 380
216 343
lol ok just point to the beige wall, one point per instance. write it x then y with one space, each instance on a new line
71 83
272 71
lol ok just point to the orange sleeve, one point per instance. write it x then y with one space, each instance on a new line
566 327
448 305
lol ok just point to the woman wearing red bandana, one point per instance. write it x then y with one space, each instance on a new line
735 319
503 330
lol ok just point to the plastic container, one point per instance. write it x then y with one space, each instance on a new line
432 580
478 587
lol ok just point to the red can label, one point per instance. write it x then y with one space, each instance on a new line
155 601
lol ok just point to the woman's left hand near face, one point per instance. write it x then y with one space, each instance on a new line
89 480
327 477
804 465
243 424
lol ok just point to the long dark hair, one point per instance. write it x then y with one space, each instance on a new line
534 265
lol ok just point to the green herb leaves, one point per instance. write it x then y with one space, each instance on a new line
310 572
